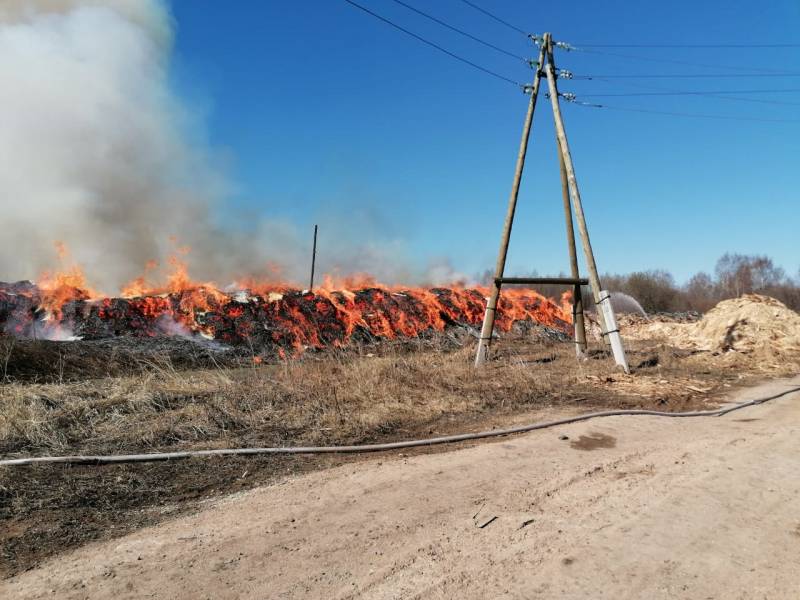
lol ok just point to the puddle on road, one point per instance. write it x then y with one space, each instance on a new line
593 441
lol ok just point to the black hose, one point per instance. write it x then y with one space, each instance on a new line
448 439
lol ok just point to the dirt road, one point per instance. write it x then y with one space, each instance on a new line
626 507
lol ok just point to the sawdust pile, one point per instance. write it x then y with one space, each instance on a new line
752 324
747 324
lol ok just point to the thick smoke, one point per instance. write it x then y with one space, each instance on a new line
96 151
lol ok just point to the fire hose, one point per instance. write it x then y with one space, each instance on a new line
448 439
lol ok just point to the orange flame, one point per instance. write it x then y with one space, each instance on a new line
344 305
65 285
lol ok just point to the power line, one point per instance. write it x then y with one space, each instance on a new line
495 17
715 96
721 95
695 93
689 76
459 31
743 46
674 62
433 45
688 115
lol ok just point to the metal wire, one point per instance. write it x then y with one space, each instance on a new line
495 17
693 93
721 94
675 62
715 96
683 114
689 76
434 45
460 31
741 45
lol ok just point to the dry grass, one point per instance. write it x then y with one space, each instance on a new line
381 392
336 398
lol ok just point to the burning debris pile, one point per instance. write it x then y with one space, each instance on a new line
277 321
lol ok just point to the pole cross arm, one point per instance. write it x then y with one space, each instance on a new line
541 280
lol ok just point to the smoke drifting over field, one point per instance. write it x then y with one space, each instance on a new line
97 151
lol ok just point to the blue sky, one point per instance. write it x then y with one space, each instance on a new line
324 114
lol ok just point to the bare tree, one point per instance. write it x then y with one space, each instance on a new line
701 292
655 290
739 274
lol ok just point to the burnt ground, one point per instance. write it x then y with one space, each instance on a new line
44 361
49 509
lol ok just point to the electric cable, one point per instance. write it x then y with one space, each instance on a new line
448 439
683 114
689 76
460 31
741 45
436 46
495 17
716 96
694 93
672 61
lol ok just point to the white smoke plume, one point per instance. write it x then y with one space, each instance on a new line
98 152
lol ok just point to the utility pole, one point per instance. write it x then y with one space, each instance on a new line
594 277
577 299
571 197
313 260
605 312
491 304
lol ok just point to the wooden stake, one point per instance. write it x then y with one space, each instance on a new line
577 299
313 260
491 304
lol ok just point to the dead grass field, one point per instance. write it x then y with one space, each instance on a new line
379 392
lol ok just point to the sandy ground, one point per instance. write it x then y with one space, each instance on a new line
626 507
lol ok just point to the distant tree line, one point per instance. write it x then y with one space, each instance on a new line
734 275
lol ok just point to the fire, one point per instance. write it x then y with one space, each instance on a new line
270 316
139 286
65 285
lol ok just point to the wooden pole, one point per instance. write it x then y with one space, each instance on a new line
605 312
491 304
594 277
577 299
313 260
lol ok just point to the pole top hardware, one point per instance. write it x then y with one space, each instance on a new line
564 74
532 63
567 96
564 46
536 39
